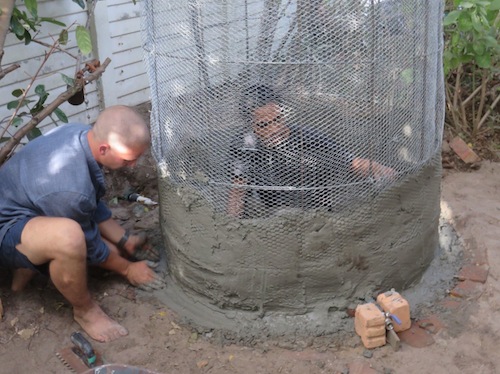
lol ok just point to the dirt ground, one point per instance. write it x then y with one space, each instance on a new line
38 322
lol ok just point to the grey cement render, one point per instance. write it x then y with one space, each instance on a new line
296 272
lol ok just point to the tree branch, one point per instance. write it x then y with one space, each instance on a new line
9 147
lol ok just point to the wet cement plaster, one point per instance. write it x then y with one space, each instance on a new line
296 271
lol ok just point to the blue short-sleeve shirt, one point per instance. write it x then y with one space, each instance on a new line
56 175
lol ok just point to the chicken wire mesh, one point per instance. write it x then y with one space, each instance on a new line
298 147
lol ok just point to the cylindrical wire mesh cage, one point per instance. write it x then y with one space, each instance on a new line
298 147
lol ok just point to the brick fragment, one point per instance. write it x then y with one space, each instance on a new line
474 273
464 151
361 368
431 324
467 290
416 337
451 304
475 254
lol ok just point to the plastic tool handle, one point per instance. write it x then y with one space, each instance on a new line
85 347
395 318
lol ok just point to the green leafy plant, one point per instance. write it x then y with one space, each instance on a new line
471 64
28 113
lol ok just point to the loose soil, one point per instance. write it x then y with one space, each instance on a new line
38 322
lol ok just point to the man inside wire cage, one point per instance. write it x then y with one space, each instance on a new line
279 164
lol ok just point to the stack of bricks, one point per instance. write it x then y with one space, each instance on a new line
370 321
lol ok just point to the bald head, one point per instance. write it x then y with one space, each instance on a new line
119 137
122 126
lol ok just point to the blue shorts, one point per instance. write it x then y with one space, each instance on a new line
10 257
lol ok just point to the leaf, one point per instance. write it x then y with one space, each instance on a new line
478 48
494 5
34 133
83 40
476 23
40 90
27 37
32 7
69 81
17 121
17 92
61 115
12 104
16 27
466 5
52 20
451 17
63 37
80 2
464 23
484 61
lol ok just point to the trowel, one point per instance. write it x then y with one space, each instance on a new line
81 356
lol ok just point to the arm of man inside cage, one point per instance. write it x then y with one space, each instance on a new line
367 168
236 199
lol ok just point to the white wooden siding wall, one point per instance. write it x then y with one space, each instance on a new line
118 26
117 23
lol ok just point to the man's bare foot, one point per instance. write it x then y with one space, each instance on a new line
21 278
98 325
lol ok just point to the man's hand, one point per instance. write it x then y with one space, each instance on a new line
141 274
371 168
138 247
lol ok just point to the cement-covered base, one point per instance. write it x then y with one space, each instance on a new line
297 271
335 324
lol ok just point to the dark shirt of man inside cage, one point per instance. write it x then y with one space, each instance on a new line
287 165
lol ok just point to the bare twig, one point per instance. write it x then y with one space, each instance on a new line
7 70
471 96
57 47
488 112
25 92
482 100
451 108
9 147
457 87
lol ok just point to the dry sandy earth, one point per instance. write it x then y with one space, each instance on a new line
38 322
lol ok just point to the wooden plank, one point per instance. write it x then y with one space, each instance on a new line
129 41
103 48
112 3
127 57
131 70
124 27
132 84
123 11
136 98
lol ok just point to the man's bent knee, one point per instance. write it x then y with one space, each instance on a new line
46 238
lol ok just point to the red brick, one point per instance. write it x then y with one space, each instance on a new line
464 151
467 290
431 324
361 368
451 304
475 254
475 273
416 337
